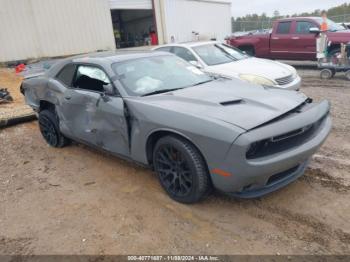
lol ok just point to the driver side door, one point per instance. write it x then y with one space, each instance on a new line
94 111
303 42
79 103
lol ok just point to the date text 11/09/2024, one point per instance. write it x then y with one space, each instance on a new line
173 258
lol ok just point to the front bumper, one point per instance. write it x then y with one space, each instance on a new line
283 179
295 85
259 176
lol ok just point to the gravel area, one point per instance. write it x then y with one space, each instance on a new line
10 80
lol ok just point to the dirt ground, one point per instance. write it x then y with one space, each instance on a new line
77 200
10 80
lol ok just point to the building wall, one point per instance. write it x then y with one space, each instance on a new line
130 4
159 20
45 28
210 18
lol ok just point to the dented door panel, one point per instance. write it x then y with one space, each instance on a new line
79 114
112 132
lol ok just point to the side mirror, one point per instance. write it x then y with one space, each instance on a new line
314 30
108 88
196 64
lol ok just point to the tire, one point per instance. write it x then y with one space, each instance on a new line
248 50
326 74
181 170
49 128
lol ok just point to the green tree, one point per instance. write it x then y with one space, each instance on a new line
250 22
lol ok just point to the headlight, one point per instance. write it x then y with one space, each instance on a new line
295 73
259 80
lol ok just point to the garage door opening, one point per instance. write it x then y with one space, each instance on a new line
134 28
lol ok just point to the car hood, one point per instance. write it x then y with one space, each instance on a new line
232 101
254 66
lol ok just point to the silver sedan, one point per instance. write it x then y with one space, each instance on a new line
220 59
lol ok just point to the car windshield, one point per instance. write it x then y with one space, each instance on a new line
158 74
332 26
215 54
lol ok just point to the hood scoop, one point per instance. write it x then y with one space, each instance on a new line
231 102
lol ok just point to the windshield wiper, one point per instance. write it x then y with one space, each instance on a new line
203 82
161 91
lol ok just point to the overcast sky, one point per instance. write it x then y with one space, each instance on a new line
285 7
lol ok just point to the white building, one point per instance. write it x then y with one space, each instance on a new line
48 28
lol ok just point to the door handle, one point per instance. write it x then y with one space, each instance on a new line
67 97
295 38
275 38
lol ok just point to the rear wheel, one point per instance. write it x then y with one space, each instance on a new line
181 170
49 128
326 74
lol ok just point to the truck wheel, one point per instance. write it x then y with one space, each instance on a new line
326 74
248 50
181 170
49 128
347 74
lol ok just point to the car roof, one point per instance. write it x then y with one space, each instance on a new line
113 56
299 18
104 58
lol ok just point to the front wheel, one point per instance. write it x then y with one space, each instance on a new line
248 50
181 170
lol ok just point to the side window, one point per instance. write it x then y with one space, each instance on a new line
303 27
164 49
283 27
184 53
91 78
66 74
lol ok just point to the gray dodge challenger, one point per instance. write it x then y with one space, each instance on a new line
196 132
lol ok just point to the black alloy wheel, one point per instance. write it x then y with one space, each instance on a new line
49 128
173 170
181 169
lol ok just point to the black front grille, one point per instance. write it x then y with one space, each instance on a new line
285 80
284 141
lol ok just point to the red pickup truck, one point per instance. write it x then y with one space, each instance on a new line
292 38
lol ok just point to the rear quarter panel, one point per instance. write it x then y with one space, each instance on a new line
41 88
33 89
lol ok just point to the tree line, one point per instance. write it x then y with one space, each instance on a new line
250 22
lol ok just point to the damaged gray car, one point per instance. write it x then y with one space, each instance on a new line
198 133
